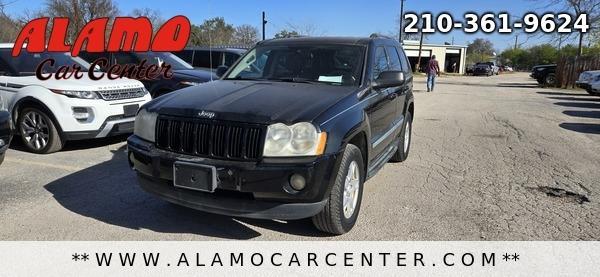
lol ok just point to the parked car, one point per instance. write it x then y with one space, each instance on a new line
483 69
544 74
49 113
210 58
184 75
470 69
507 68
595 88
587 79
6 131
291 131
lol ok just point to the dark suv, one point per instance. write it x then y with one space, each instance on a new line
5 132
291 131
545 75
184 75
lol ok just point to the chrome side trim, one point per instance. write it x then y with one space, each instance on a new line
388 133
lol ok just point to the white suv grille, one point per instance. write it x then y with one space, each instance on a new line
120 94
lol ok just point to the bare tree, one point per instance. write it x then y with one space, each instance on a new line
9 26
577 7
245 35
153 15
304 29
80 12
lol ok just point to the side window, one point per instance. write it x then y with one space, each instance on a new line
185 55
125 58
380 63
394 58
4 70
405 62
230 58
92 57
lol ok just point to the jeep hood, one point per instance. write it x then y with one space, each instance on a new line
84 83
252 101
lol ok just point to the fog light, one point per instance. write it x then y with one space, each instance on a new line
297 182
81 113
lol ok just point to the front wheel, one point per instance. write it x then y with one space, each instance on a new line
550 80
341 211
405 140
38 132
1 158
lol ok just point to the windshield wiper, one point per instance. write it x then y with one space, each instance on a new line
295 80
244 79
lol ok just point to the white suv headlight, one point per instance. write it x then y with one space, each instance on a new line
77 93
145 125
300 139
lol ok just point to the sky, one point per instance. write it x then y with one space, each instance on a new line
328 17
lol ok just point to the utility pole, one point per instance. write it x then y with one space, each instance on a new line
264 23
401 22
516 41
418 67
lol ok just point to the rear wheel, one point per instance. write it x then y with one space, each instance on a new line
1 158
341 211
405 139
38 131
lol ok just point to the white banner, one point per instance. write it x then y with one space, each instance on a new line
255 258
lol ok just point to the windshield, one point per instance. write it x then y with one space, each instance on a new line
26 63
158 58
327 64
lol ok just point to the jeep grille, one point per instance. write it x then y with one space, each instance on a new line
210 138
120 94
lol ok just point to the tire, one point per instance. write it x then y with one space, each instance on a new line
550 80
404 145
38 131
334 219
2 158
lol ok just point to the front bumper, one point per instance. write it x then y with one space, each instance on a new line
583 85
103 115
246 189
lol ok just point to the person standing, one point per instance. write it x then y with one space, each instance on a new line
433 70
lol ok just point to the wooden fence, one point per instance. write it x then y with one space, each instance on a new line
569 68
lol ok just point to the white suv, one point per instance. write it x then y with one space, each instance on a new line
590 81
49 113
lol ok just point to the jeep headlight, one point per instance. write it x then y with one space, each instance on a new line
145 125
300 139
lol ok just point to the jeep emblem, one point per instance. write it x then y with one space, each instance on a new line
206 114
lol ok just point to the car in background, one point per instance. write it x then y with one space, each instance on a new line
48 113
6 131
507 68
588 79
210 58
545 75
184 75
469 69
486 69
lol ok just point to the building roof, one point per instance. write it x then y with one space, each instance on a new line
416 43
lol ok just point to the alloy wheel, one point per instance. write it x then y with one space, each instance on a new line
34 130
351 189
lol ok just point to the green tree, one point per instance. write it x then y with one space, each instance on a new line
480 50
214 31
286 34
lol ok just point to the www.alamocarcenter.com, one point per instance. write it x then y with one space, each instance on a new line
277 259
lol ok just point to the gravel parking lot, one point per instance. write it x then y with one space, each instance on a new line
493 158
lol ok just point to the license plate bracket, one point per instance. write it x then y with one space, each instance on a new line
194 176
130 110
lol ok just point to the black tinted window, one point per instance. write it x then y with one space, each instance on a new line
185 55
394 58
202 58
230 58
380 64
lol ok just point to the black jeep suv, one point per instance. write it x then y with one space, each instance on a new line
291 131
545 75
5 132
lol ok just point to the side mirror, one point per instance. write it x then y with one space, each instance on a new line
221 70
389 79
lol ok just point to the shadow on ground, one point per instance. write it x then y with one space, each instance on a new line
519 85
17 143
583 108
108 192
